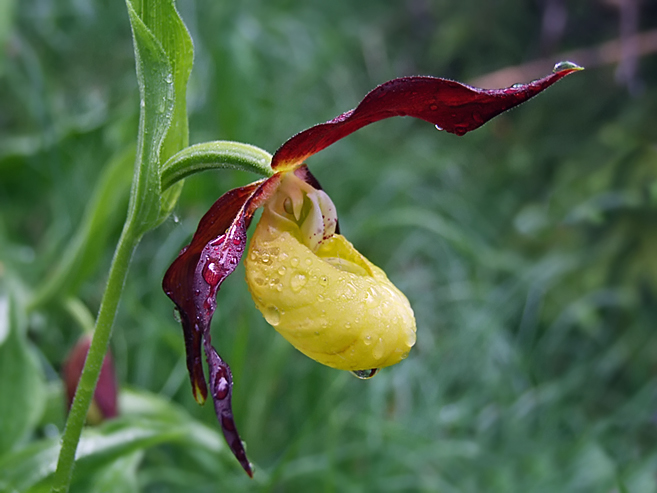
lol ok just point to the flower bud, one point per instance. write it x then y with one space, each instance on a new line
104 404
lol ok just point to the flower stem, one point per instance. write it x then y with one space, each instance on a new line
99 344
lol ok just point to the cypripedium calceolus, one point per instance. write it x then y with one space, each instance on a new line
309 282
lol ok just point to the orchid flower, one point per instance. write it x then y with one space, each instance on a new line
309 282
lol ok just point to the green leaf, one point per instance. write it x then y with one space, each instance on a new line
147 420
80 256
120 476
21 378
164 54
155 80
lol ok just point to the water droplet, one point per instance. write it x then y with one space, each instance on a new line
365 374
404 355
433 107
563 66
279 288
211 273
323 281
347 326
254 255
308 262
294 261
367 340
517 86
298 281
142 103
176 315
265 258
411 337
259 281
169 79
438 127
281 271
272 315
378 349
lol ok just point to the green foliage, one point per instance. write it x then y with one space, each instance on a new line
526 249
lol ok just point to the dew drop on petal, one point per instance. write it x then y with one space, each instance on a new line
272 315
378 349
298 281
365 374
411 337
561 66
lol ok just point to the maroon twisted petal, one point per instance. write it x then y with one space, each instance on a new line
451 106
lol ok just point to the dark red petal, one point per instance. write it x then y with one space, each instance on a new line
192 282
451 106
187 290
221 390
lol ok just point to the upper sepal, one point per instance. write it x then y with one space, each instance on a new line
451 106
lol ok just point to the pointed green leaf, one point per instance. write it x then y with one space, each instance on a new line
21 379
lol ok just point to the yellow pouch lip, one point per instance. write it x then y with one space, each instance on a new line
338 316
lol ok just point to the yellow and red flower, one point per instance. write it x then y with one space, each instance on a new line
309 282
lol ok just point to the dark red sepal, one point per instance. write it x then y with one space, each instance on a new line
194 279
221 390
450 105
183 281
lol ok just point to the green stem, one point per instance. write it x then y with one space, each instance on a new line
99 344
217 154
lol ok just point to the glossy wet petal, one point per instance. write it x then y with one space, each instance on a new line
451 106
184 284
194 279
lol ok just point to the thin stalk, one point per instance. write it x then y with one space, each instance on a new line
99 344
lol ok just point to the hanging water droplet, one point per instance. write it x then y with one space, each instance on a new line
561 66
272 315
365 374
438 127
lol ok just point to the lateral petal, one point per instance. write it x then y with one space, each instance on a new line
451 106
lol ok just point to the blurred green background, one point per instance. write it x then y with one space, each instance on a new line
527 248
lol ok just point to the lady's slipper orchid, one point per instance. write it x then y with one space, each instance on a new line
309 282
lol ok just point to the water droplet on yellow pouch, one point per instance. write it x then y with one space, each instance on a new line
298 281
272 315
367 340
281 270
365 374
323 281
294 261
378 349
